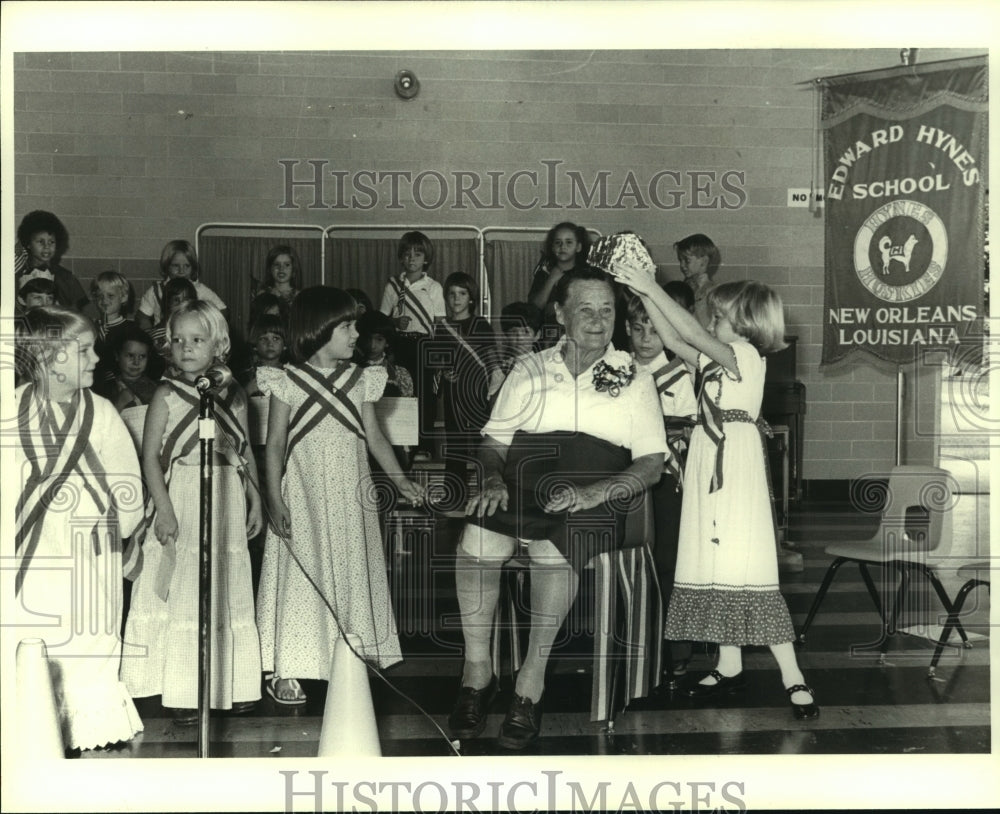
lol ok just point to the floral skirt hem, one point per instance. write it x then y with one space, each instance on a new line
738 616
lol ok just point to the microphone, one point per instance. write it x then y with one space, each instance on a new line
217 377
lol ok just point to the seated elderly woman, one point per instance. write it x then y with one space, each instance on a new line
574 435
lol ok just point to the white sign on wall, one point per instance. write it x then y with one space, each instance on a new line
800 197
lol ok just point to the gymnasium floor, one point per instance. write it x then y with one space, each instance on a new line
867 707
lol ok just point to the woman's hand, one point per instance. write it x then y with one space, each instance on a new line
492 495
641 282
571 498
165 526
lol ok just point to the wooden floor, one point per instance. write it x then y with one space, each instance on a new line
868 706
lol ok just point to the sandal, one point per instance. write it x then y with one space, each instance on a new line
271 687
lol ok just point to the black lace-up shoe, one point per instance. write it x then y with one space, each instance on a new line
523 722
468 718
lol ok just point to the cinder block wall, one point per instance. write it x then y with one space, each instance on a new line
135 149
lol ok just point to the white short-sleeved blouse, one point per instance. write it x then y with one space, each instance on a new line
540 395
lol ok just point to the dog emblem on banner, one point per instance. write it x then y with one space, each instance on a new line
900 251
901 254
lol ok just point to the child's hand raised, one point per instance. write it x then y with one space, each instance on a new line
642 282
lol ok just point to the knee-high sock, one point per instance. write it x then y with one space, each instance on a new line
791 675
553 589
477 583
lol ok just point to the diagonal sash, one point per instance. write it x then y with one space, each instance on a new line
464 344
232 429
409 299
676 430
51 443
324 398
668 375
714 418
158 299
711 419
665 377
183 438
177 444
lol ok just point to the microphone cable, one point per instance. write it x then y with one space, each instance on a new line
287 540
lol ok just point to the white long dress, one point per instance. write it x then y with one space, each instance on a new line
726 582
71 594
336 539
161 635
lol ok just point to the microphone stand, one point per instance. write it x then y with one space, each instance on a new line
206 436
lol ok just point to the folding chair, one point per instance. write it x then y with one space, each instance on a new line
904 542
977 574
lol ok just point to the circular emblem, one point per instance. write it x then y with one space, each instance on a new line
900 251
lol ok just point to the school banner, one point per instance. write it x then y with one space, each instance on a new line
906 156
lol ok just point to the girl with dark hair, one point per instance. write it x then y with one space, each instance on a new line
376 337
565 248
324 567
45 240
176 292
282 273
135 368
267 304
363 300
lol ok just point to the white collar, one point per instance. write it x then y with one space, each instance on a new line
34 274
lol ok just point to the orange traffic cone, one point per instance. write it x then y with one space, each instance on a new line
349 728
40 737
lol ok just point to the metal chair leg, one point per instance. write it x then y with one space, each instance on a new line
616 655
872 590
897 608
945 601
831 572
953 622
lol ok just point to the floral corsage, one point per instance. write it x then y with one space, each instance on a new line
614 373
